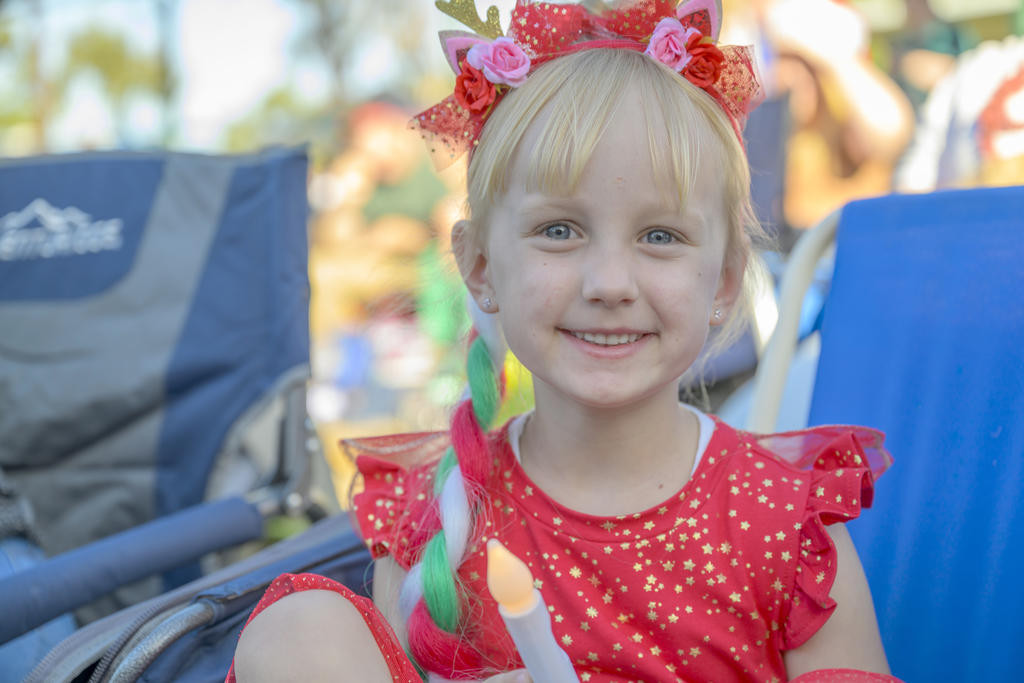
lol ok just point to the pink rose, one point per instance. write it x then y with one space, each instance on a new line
668 43
501 61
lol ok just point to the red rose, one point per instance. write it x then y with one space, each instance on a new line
473 91
705 65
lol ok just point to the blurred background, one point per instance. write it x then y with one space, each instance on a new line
865 97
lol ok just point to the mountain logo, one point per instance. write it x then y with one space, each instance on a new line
42 231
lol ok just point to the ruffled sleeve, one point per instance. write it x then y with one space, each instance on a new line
390 497
842 464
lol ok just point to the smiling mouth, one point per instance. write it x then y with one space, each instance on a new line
608 339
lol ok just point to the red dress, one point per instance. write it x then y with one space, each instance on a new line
713 583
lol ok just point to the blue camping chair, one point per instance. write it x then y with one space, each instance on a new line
153 311
921 338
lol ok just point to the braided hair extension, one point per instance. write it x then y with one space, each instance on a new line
432 599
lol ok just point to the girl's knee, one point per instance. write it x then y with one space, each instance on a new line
311 635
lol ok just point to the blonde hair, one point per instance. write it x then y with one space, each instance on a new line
585 89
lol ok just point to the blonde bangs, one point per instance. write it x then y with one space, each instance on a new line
573 99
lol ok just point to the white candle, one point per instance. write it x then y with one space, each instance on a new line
526 617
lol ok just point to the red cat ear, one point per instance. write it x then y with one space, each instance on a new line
702 15
455 45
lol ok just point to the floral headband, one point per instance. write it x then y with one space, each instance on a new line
488 64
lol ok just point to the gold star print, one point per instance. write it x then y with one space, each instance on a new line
584 677
617 647
744 525
567 639
608 526
709 567
637 637
637 566
672 618
694 651
778 585
592 613
735 597
786 557
575 572
725 547
655 650
538 584
707 548
607 550
689 565
592 656
762 498
781 535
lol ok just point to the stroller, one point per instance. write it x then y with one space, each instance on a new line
154 352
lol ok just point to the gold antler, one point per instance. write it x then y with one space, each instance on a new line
465 12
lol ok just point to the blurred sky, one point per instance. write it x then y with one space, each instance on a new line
228 54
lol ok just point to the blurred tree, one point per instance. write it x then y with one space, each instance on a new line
33 96
282 118
26 100
123 70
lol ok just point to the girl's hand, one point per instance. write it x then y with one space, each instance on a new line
517 676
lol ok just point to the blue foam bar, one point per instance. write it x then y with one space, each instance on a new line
34 596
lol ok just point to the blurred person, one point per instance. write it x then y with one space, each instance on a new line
954 144
850 121
925 50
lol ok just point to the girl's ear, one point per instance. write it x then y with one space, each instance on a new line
472 260
730 284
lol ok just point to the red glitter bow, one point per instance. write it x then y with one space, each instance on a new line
541 31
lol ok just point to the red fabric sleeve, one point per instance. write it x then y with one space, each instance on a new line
401 668
396 475
841 484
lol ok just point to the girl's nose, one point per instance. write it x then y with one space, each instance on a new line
609 278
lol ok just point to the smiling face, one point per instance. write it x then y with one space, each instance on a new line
606 290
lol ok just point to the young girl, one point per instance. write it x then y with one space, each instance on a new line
609 231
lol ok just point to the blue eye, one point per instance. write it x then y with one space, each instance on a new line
558 231
659 237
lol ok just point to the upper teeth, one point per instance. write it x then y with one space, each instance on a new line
607 339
